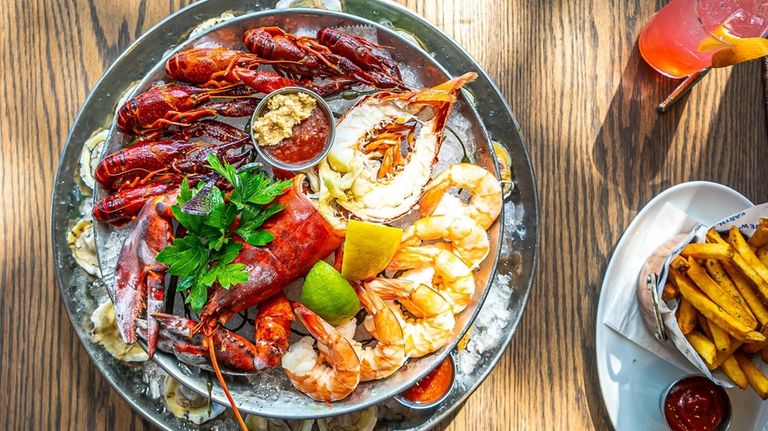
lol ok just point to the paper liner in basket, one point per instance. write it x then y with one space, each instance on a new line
747 221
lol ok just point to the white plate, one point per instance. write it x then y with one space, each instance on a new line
631 378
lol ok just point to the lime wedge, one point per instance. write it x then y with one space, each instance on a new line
328 294
368 248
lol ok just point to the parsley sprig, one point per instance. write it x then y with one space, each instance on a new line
205 254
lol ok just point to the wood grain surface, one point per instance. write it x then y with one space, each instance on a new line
585 100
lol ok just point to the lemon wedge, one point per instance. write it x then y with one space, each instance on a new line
368 248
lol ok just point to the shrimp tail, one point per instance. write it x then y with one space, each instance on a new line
321 330
387 326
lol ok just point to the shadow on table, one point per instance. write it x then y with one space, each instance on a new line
630 150
735 149
634 139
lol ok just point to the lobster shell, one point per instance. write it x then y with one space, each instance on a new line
302 238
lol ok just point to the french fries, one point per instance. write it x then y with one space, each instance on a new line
756 378
712 311
670 292
762 254
756 347
734 372
703 346
718 273
744 286
760 238
722 288
708 251
748 263
686 316
721 357
697 273
721 338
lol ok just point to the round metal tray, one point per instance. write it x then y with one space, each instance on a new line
520 227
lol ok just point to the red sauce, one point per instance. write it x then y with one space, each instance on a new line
434 385
695 404
306 143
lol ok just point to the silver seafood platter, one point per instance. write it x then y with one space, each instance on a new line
480 117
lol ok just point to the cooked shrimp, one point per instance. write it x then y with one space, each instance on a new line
419 299
323 382
486 201
423 334
468 238
456 282
389 354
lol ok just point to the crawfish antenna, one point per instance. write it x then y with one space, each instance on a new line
215 363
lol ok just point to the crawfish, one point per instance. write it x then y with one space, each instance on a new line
148 158
166 105
151 168
220 67
301 56
127 202
363 53
202 66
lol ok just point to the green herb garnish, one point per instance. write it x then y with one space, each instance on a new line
204 255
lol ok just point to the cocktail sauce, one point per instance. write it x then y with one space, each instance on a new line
433 386
307 141
696 404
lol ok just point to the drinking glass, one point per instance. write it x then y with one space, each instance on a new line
682 37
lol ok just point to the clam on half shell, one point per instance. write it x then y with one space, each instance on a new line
258 423
188 405
82 244
364 420
106 334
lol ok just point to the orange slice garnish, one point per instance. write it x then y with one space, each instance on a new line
743 50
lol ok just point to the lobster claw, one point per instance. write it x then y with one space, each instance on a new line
188 342
139 278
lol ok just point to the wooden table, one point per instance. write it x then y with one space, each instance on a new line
585 101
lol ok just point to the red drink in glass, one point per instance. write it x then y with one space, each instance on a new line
682 37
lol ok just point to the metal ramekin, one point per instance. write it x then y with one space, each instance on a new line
724 425
328 116
428 406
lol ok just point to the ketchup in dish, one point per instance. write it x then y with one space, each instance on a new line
696 404
307 141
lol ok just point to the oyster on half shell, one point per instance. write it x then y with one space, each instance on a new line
82 244
188 405
89 159
106 334
364 420
258 423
